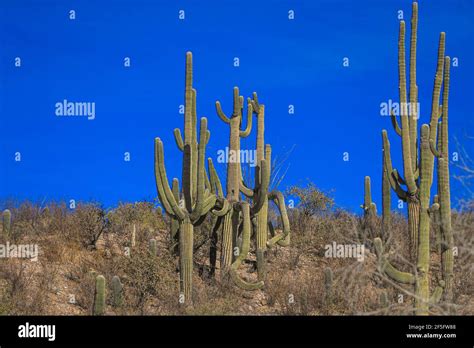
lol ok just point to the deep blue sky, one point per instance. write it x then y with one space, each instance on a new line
295 62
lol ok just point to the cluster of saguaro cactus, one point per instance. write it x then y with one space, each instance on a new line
418 168
201 194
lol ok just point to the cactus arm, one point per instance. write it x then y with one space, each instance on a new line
221 114
163 184
398 177
188 102
245 209
194 116
174 228
435 218
178 139
245 133
436 295
200 198
159 185
283 238
245 190
406 141
248 192
413 116
209 203
395 274
222 211
433 149
387 268
255 104
208 182
271 229
262 190
444 120
437 87
215 181
386 202
416 174
395 125
401 193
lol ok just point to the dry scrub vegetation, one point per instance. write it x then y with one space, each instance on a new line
77 245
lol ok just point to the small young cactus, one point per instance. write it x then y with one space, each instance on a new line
328 283
384 304
99 296
133 236
117 291
153 248
7 219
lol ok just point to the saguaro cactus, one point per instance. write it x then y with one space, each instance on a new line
245 210
370 213
328 284
418 174
133 236
370 208
99 296
7 223
153 247
230 222
444 193
197 199
384 303
262 225
259 194
117 291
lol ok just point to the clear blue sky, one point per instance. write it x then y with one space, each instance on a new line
297 62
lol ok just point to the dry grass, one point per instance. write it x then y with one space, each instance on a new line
77 245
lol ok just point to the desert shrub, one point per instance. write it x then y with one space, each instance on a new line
311 200
147 277
143 214
88 223
24 291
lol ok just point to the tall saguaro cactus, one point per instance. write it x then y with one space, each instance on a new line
259 194
197 200
418 174
444 193
230 222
